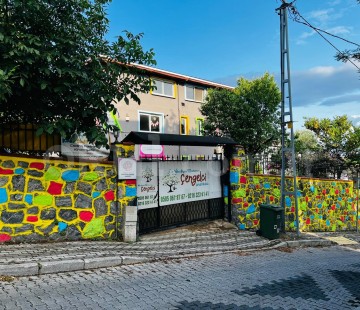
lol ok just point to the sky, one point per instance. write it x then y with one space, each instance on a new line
224 40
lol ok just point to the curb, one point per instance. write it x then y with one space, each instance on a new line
303 243
48 267
41 268
310 243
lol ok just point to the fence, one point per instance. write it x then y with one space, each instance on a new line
22 139
316 166
191 157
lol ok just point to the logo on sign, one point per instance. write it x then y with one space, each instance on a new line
148 174
171 180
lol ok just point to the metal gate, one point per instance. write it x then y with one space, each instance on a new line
178 214
165 216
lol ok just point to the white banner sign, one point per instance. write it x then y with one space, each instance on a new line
151 151
81 148
183 181
147 185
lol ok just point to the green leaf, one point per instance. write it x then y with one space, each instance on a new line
39 131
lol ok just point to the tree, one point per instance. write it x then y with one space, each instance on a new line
249 114
306 148
353 152
58 71
339 140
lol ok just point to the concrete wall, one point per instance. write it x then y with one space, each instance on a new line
56 200
324 205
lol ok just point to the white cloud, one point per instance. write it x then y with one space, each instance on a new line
323 70
306 35
323 91
334 3
323 16
339 30
325 19
355 119
326 85
302 38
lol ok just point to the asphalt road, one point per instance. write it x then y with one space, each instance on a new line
310 278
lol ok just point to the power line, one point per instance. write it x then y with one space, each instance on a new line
297 17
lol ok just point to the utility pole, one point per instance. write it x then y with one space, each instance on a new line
286 117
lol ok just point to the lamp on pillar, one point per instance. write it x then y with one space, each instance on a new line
116 134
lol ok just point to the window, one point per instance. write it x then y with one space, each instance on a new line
184 125
150 122
163 88
199 126
195 93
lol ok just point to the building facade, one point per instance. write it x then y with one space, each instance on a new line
172 108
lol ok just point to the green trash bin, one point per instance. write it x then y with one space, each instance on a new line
271 220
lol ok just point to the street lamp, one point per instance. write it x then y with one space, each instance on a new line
116 134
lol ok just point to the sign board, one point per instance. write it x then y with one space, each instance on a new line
81 148
151 151
147 185
126 168
184 181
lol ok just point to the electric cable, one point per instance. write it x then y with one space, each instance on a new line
297 17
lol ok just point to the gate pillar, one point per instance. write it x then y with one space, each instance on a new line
130 223
126 218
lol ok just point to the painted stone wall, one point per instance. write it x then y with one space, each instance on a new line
56 200
324 205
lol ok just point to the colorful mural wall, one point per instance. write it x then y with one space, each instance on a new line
58 200
324 205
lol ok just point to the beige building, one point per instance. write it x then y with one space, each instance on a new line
173 108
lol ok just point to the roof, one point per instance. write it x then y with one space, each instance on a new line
181 77
172 139
170 75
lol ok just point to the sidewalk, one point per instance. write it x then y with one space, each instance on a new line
200 239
